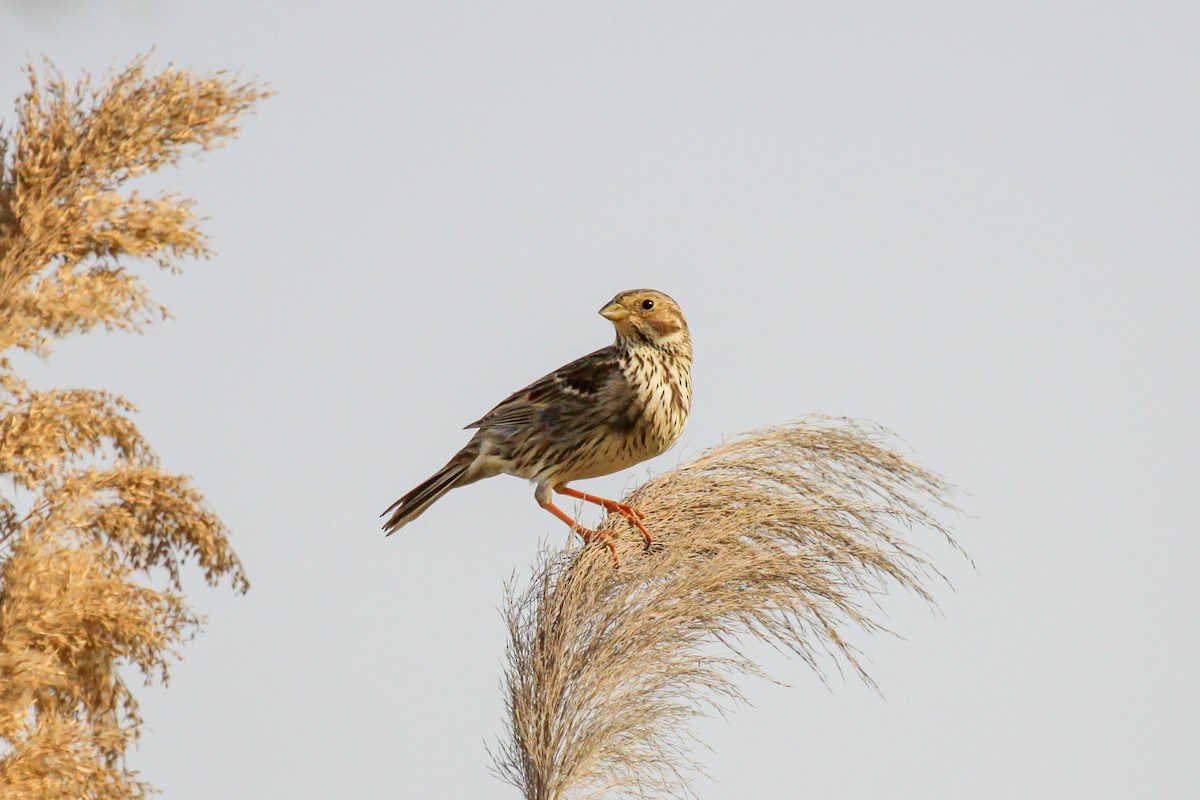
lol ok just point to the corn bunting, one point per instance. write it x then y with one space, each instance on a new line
600 414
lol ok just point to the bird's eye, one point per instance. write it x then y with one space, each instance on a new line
647 305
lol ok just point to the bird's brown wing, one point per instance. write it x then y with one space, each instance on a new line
576 388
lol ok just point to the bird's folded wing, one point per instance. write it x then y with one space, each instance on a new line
576 384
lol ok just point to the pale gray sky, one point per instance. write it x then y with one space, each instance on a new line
977 224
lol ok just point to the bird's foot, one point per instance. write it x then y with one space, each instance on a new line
607 537
587 534
631 514
634 517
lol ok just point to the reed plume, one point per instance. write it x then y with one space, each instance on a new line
94 532
784 535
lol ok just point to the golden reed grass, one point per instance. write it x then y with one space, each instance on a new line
785 535
89 519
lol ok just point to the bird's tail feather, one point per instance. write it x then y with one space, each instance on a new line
409 507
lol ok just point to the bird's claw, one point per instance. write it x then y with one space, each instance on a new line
634 518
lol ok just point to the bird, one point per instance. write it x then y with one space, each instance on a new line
600 414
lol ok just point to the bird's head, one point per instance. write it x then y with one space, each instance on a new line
647 317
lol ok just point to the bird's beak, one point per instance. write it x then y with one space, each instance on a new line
614 312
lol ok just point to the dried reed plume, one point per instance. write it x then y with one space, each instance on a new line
785 535
92 521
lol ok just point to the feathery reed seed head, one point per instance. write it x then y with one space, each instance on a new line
92 517
781 535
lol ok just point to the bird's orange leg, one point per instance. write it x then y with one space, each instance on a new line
585 533
630 513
